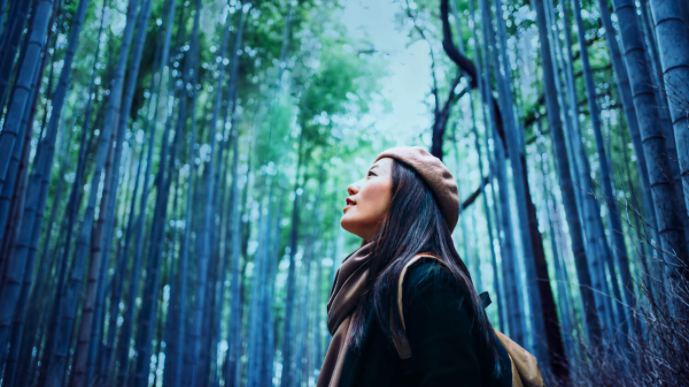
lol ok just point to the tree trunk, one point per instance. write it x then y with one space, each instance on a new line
667 205
625 95
497 285
185 253
481 58
269 327
147 317
616 231
301 335
8 187
256 288
102 241
674 57
208 213
138 226
142 24
597 247
562 292
70 215
224 253
233 337
22 93
18 320
543 348
287 378
10 43
553 110
662 94
204 238
29 232
68 302
512 282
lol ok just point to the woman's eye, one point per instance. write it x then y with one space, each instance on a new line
371 173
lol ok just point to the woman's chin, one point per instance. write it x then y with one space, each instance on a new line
344 222
348 224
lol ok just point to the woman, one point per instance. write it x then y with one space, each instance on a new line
405 205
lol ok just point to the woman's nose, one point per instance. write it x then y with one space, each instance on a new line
353 188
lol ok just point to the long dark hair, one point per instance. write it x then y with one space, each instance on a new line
413 224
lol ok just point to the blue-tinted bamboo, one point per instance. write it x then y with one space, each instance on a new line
503 75
100 258
565 177
497 286
70 215
10 181
516 318
597 248
207 223
664 95
104 355
311 251
171 322
145 332
462 216
318 356
625 96
674 61
268 323
3 10
69 300
257 283
10 359
29 232
287 377
172 376
99 312
224 252
616 231
232 373
10 44
9 229
562 290
233 237
302 330
20 98
480 66
668 206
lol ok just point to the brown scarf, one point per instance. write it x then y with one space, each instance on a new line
350 282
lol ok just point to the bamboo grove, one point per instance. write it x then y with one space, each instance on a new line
172 173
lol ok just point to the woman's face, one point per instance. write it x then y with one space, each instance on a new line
368 200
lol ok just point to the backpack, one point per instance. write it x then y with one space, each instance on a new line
525 372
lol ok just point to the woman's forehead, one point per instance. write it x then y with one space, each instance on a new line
383 163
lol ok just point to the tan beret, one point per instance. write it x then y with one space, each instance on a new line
435 174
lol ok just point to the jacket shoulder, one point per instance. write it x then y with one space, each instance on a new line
426 282
429 273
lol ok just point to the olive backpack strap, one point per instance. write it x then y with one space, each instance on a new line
525 372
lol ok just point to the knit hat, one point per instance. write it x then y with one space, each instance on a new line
436 176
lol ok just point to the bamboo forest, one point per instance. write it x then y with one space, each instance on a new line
173 172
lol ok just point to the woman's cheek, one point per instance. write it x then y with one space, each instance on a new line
378 200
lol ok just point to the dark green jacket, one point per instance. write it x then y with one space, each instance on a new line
445 349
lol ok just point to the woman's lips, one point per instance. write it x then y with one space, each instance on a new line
350 203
